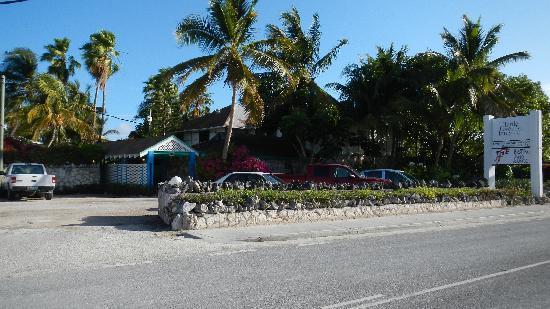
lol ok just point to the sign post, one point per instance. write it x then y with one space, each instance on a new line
514 140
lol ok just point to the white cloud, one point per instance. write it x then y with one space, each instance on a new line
123 130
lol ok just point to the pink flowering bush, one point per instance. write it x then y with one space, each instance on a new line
212 167
242 161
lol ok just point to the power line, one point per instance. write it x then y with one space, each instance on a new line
111 116
11 1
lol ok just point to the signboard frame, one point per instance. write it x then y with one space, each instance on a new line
514 140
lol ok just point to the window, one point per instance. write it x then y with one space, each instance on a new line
204 136
320 171
255 178
274 180
395 177
236 177
376 174
27 169
341 173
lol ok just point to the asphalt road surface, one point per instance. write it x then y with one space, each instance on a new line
99 252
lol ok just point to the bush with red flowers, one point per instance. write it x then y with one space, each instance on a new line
212 167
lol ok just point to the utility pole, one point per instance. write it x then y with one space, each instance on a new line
2 100
150 119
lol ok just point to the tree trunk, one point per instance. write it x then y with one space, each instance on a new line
95 109
54 134
229 130
438 152
14 129
104 91
451 150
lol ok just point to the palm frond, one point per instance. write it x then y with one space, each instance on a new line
500 61
197 88
185 69
327 59
200 31
267 60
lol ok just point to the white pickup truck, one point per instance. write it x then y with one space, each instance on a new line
28 179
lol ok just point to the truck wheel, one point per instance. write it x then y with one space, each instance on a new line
48 195
11 195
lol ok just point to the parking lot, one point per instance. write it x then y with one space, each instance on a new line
62 212
70 233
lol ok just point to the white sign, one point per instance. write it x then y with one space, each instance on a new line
514 140
510 141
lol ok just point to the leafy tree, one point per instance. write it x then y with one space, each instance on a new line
377 96
300 107
99 56
52 114
61 65
162 104
19 66
197 108
526 95
227 34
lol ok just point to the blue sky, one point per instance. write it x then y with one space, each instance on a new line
145 34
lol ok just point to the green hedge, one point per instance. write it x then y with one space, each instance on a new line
238 197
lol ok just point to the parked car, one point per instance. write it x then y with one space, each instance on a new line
394 175
249 177
331 174
27 179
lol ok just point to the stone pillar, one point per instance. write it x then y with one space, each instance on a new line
488 167
535 117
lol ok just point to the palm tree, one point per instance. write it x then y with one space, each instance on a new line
19 66
471 83
99 58
301 48
226 33
53 114
291 106
468 55
61 66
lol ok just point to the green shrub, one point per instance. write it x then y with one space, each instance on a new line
238 197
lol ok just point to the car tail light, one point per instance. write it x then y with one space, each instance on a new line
13 179
53 179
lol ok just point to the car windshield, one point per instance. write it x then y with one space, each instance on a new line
274 180
411 177
27 169
356 173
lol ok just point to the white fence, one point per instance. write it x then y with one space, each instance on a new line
127 173
69 176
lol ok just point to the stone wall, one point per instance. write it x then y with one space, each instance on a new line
70 176
182 215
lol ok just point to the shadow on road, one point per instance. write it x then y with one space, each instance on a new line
148 223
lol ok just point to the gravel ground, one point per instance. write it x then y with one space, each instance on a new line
39 236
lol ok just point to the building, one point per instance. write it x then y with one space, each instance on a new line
207 127
148 161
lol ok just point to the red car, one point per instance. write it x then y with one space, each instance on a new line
331 174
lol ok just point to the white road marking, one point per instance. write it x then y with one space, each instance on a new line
312 244
231 252
127 264
353 301
452 285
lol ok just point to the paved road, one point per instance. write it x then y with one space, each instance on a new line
124 258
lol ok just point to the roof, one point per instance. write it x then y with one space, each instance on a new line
217 119
139 147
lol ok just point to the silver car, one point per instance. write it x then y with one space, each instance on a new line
394 175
